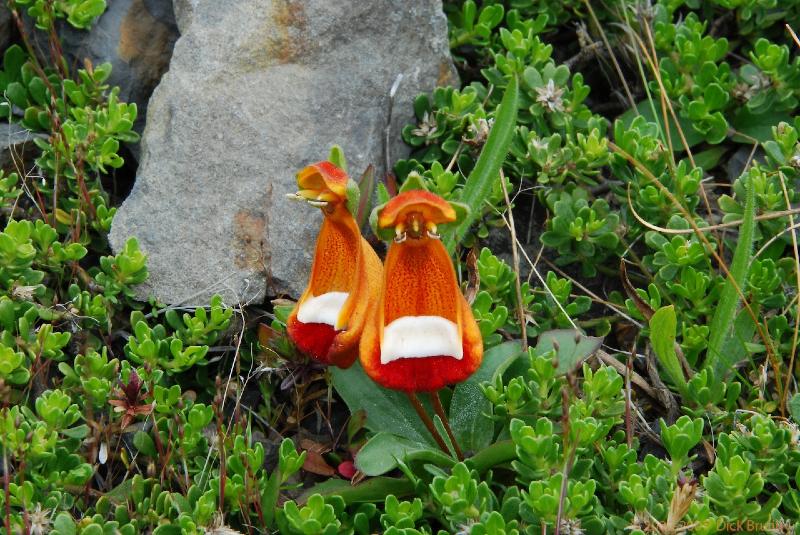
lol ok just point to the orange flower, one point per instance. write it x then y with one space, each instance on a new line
423 335
345 276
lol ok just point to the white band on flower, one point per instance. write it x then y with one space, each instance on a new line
419 337
323 308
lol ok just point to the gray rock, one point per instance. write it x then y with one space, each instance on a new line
184 9
254 92
17 149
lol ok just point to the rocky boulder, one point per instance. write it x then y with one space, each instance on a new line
255 91
17 149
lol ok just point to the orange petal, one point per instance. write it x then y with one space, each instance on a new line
323 176
345 282
432 207
420 285
337 254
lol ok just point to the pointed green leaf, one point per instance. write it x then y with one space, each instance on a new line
386 409
486 171
663 327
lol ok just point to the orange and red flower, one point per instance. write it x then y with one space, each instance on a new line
422 335
345 278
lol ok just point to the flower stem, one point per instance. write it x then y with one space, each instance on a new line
437 407
426 419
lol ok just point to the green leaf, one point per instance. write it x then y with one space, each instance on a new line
64 524
498 453
372 490
353 196
715 96
707 159
645 109
429 455
92 529
336 157
663 328
483 176
736 346
386 409
366 186
79 431
794 408
13 59
168 529
572 347
17 95
144 444
469 407
758 126
412 182
38 91
720 327
121 493
269 499
381 453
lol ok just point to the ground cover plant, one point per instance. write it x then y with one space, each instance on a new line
626 179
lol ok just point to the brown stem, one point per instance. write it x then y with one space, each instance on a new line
437 407
427 421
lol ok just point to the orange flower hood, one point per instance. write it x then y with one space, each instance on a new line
423 335
345 277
